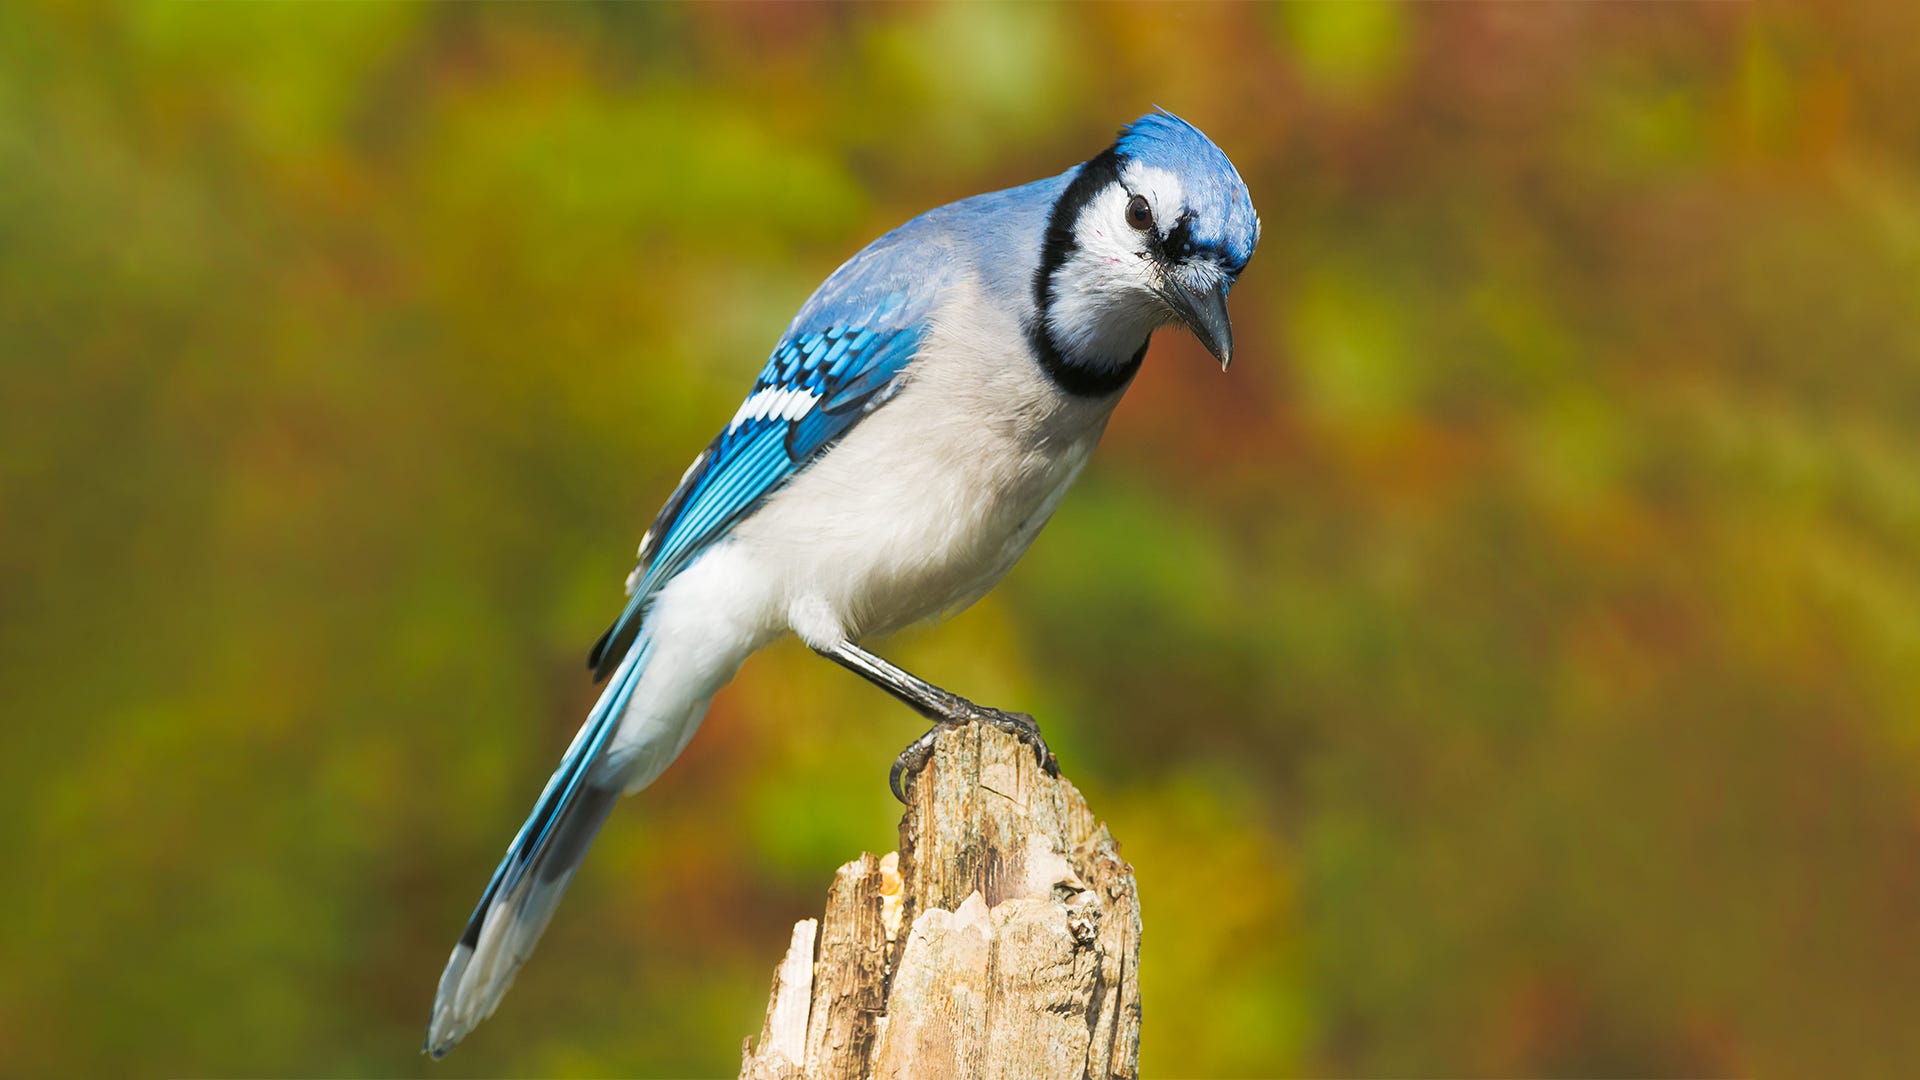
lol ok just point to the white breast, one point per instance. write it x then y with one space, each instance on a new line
928 502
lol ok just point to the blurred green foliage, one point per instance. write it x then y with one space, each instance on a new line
1511 668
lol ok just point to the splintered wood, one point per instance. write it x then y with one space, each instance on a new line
1003 940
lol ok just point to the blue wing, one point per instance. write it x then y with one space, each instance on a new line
843 357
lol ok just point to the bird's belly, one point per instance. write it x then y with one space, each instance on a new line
955 540
910 520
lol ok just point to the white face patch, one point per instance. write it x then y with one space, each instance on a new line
1161 188
1105 296
775 403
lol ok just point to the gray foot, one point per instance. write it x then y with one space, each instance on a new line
1021 726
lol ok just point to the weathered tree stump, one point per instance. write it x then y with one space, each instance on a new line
1002 940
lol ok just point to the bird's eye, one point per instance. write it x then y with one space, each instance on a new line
1139 214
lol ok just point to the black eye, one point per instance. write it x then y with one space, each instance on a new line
1139 214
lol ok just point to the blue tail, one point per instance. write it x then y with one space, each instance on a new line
539 863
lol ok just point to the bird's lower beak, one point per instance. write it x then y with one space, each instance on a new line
1204 311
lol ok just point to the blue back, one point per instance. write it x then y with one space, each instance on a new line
852 343
848 349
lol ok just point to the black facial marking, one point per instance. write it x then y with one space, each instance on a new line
1093 177
1176 245
1098 378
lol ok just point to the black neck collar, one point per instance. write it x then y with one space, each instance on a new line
1088 377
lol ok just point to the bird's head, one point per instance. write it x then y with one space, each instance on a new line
1152 231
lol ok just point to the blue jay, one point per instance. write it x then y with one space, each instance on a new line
916 426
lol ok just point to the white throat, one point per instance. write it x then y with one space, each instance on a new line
1105 300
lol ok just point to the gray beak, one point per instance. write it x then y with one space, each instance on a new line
1204 311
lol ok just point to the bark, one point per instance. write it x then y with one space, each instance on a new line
1002 940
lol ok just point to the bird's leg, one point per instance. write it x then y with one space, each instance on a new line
944 707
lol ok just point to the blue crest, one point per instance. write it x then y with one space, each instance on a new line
1223 219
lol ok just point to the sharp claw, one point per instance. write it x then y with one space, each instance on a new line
917 754
1028 731
911 760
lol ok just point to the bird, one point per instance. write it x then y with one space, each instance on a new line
915 427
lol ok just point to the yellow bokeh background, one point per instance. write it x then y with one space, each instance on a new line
1511 667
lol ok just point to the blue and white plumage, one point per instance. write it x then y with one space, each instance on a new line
915 427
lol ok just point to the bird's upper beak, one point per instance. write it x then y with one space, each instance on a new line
1200 300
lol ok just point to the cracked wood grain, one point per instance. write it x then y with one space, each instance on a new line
1007 944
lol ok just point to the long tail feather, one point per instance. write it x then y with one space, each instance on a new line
528 884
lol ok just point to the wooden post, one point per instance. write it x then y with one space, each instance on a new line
1002 940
